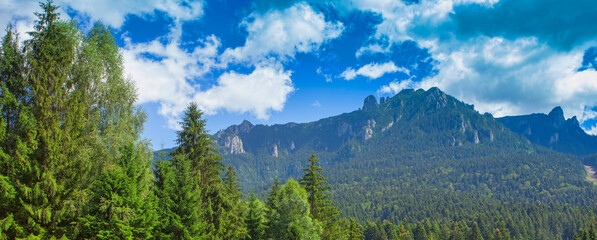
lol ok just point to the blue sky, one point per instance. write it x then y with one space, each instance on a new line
297 61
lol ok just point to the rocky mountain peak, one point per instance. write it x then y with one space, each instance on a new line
557 116
370 103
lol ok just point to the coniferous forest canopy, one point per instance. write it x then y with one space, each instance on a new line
73 164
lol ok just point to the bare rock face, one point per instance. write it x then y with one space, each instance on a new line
387 127
476 137
275 152
370 103
234 145
491 137
368 129
437 98
343 129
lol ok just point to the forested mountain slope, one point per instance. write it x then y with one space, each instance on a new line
553 131
422 155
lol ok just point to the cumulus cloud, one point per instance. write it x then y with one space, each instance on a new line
396 86
111 12
282 34
372 70
167 74
114 12
265 89
503 63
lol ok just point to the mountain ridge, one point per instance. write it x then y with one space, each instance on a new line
553 131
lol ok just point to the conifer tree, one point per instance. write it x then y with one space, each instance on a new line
235 228
475 233
270 207
56 185
179 205
255 218
123 203
16 132
354 230
322 208
196 147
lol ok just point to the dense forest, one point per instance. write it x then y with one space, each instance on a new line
73 166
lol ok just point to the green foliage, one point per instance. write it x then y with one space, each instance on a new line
430 156
179 201
255 218
70 136
290 218
123 203
321 207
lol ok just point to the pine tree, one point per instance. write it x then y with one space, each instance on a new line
354 230
255 218
123 203
322 208
270 210
179 205
475 233
195 146
16 133
56 185
235 228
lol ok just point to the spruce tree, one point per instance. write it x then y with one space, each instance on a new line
235 228
16 133
322 208
270 207
354 230
255 218
195 146
56 185
475 232
179 205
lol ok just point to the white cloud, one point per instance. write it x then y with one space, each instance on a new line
164 72
395 87
265 89
110 12
372 70
20 13
173 77
316 104
283 33
114 12
503 76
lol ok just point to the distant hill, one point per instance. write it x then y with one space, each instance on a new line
553 131
417 154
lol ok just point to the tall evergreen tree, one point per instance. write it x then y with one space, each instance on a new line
123 203
270 207
475 232
255 218
235 228
16 132
196 147
179 205
322 208
55 186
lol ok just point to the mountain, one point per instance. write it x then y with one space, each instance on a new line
419 154
553 131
